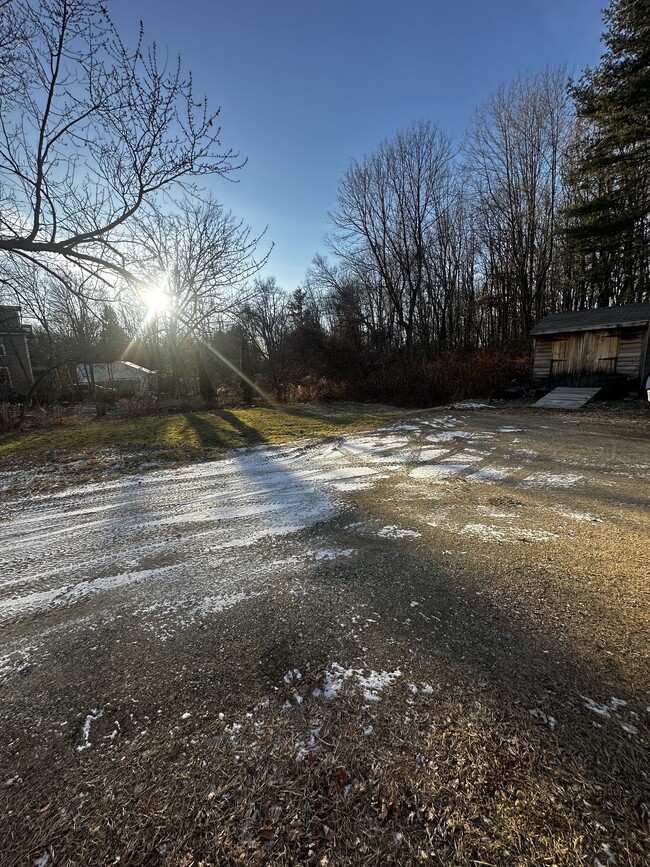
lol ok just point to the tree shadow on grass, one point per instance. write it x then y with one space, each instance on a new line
212 434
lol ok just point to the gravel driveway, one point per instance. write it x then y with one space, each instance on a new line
504 551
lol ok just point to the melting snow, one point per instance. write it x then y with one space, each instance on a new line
447 436
370 684
332 554
551 480
486 533
488 475
393 532
94 715
604 710
438 473
577 516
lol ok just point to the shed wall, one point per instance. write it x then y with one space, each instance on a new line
542 355
589 358
630 351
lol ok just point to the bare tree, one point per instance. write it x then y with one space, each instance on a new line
90 130
67 313
389 207
197 256
265 317
514 151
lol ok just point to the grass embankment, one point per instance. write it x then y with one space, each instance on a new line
216 429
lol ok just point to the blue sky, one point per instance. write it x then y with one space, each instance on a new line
304 87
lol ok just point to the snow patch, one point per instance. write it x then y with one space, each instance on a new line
393 532
449 435
577 516
333 553
551 480
94 715
438 474
487 533
370 684
489 475
604 710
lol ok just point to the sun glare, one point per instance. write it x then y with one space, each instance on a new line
155 300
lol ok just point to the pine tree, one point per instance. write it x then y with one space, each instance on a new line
205 383
609 222
113 340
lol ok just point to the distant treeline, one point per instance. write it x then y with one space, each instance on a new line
441 257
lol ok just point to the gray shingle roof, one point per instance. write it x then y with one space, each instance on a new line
594 318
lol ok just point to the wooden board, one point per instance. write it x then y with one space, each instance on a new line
567 398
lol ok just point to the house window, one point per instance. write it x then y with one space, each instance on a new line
5 378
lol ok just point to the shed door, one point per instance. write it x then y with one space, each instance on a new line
601 351
560 356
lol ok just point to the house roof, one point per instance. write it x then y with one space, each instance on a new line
114 370
594 319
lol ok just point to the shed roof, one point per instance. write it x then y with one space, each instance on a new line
594 319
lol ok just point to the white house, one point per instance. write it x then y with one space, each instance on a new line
124 377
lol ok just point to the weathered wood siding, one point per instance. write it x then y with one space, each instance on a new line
630 353
645 358
542 355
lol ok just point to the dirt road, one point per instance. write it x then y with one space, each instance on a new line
468 570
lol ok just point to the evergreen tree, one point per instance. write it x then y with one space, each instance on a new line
609 221
113 340
205 383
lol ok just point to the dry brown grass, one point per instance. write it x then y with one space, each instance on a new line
445 778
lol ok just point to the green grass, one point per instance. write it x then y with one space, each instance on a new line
217 429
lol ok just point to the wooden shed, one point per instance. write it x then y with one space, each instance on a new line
602 346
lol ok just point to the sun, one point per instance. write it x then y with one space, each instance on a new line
156 300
